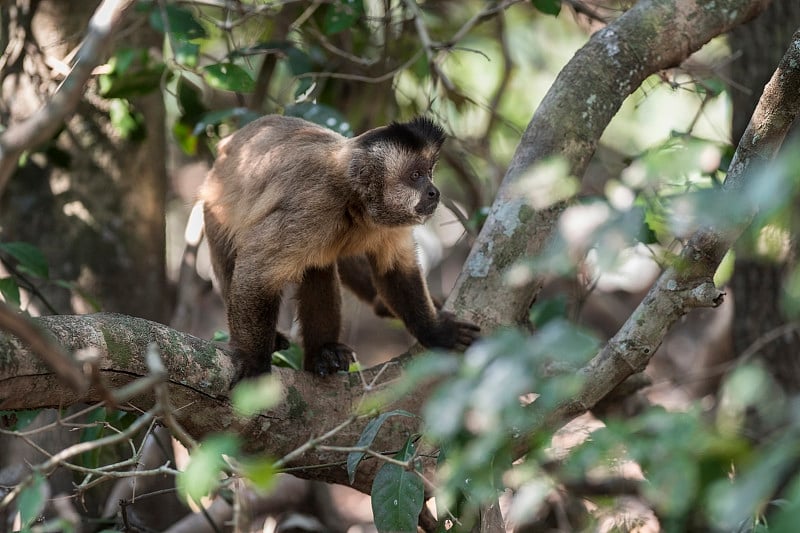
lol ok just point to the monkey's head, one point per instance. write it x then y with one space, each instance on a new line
393 169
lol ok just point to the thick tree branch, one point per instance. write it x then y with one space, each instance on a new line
651 36
43 124
690 283
200 372
49 351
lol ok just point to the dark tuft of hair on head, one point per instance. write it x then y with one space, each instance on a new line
426 128
415 134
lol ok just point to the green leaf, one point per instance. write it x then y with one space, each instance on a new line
132 73
242 115
29 257
548 7
367 437
9 290
261 472
291 357
31 501
184 134
128 122
202 473
180 22
321 114
228 77
21 419
220 336
544 311
397 494
187 53
252 396
342 15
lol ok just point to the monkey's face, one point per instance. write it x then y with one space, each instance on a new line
408 195
394 167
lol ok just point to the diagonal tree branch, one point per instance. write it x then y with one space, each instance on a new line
690 284
651 36
43 124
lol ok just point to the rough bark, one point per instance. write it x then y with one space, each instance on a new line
757 281
200 372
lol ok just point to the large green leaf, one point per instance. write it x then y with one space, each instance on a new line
397 494
180 22
367 437
228 77
30 258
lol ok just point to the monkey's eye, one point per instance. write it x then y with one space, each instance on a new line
415 175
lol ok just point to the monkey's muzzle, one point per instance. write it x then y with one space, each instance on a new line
429 202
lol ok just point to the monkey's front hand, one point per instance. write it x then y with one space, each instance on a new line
331 358
450 333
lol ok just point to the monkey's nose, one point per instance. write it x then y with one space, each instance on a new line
433 193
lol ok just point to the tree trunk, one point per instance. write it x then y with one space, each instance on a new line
757 280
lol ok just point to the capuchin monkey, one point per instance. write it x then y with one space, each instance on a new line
288 200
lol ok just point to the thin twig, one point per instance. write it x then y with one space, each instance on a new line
313 443
79 448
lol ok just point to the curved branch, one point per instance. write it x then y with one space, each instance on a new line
691 283
651 36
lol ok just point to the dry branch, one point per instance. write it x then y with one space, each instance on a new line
43 124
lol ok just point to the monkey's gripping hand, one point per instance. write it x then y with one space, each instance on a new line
450 333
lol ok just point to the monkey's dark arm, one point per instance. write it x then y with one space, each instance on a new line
405 293
356 274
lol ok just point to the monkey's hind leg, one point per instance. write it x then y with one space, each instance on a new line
319 311
252 318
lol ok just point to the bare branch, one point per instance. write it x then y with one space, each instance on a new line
40 126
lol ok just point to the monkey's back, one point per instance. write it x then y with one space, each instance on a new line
278 189
266 166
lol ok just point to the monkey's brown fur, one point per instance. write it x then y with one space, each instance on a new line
286 199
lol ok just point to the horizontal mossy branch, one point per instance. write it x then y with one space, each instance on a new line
199 374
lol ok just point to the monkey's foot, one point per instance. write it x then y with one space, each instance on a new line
332 358
249 367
